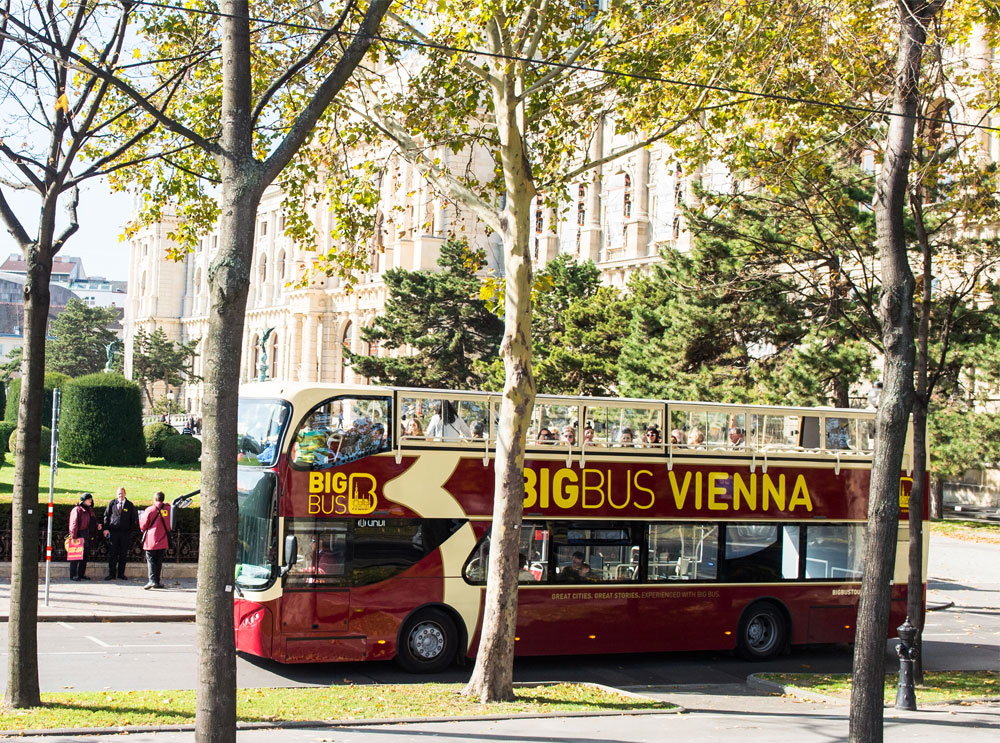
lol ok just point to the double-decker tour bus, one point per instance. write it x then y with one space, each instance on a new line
364 525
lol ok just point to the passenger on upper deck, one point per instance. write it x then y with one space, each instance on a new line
652 435
478 429
412 428
588 434
545 437
737 436
625 438
447 424
696 437
568 435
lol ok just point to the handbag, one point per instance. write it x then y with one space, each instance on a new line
74 548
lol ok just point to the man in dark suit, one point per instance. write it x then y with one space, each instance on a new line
120 522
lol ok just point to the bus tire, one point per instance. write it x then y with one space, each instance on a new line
763 632
428 642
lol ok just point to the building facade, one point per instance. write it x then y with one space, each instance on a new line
620 216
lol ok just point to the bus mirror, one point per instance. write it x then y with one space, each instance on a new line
291 552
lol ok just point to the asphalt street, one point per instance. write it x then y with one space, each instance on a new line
98 656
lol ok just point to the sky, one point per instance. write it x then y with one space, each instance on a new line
101 215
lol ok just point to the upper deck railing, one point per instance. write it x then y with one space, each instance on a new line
581 427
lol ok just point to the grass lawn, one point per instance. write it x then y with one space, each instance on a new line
140 482
112 709
969 531
938 686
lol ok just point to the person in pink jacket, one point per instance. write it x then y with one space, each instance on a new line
82 523
155 525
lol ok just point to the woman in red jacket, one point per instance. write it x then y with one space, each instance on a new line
82 523
155 525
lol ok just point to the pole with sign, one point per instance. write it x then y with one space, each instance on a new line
53 466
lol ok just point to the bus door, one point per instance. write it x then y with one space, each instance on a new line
317 600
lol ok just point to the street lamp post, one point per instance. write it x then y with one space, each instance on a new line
170 404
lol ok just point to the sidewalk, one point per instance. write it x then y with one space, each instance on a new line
98 600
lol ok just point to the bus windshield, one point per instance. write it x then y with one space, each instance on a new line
257 540
260 425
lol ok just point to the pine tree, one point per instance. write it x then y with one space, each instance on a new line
440 317
78 337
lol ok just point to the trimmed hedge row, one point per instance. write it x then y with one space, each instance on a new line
102 421
185 519
6 429
52 380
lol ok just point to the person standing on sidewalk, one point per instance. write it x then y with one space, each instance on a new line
120 522
82 523
155 525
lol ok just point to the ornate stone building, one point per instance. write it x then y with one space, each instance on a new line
620 216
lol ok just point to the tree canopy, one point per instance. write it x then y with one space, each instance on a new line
78 338
438 323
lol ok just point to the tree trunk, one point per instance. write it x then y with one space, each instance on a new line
937 498
921 404
492 678
229 283
22 637
896 317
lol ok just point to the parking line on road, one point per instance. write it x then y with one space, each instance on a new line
99 642
65 626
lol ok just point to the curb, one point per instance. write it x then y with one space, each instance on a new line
329 724
109 618
754 682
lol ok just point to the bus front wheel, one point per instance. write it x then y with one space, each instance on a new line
428 642
763 632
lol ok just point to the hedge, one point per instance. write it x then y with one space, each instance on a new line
46 444
186 521
52 380
181 449
155 434
102 421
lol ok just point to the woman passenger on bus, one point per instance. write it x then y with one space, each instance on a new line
625 438
545 437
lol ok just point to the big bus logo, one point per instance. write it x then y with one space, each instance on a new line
337 494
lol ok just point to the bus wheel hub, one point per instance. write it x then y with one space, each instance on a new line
427 640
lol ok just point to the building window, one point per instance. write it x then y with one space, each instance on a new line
581 205
627 207
263 229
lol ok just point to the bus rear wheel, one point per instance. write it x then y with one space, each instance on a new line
428 642
763 632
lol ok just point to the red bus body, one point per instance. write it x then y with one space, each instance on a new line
321 617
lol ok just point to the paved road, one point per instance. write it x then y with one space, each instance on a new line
97 656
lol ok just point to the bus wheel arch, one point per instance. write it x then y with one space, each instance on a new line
765 630
430 639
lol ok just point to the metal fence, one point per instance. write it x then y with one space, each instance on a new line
185 547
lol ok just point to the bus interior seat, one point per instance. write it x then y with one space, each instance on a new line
809 433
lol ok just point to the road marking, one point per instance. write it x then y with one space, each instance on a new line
99 642
64 625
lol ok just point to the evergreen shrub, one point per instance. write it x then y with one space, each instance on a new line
46 443
182 449
52 380
102 421
155 434
6 428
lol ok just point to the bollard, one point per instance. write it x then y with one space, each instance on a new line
906 697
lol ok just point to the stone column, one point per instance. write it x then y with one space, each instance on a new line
308 362
294 348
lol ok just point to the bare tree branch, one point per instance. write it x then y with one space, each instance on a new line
14 226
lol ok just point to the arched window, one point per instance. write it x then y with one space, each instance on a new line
627 207
272 356
280 266
263 267
581 205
